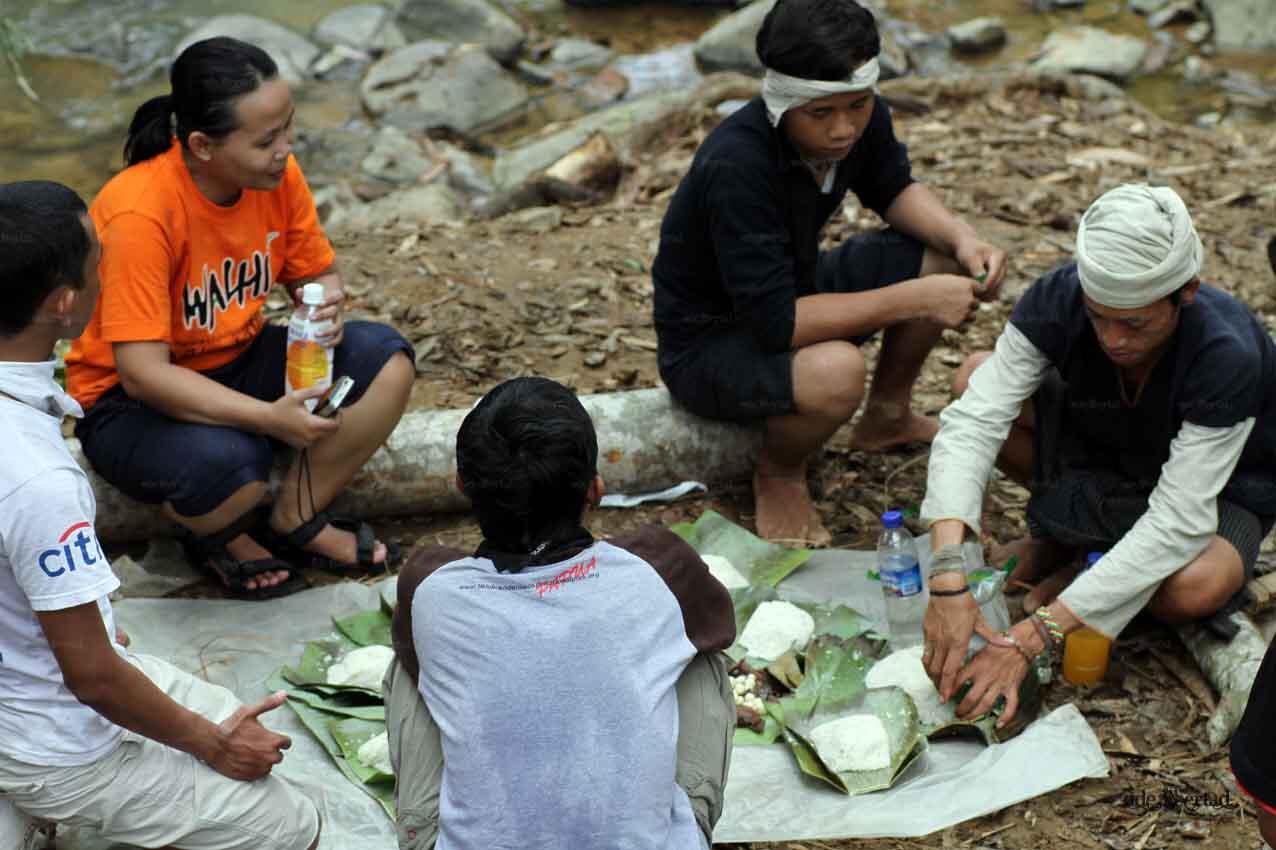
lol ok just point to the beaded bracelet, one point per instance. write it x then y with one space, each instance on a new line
1051 624
1042 632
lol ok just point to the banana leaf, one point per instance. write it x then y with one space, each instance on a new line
389 593
835 671
836 620
317 722
762 563
367 628
898 714
350 734
311 673
985 726
342 704
772 728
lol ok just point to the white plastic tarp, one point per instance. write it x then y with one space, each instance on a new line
239 644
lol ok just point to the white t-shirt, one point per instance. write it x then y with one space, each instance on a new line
50 560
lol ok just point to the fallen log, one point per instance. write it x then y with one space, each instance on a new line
1231 668
645 443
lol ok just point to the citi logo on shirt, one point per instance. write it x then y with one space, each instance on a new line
77 547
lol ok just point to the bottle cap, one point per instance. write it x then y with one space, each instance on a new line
312 294
1092 559
892 519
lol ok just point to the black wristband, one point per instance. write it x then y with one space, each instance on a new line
965 588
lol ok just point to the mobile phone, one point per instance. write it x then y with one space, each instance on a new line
330 402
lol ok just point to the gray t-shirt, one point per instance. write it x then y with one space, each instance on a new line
554 692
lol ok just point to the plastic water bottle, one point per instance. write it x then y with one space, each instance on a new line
309 362
901 578
1085 651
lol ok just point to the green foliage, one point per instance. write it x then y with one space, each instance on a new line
13 44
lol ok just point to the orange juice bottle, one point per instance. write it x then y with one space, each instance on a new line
309 363
1085 651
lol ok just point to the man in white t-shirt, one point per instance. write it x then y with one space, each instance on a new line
90 735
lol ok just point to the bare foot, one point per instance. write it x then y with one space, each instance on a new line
342 547
244 548
878 431
785 512
1049 588
1034 558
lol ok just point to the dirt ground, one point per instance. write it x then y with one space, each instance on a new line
487 301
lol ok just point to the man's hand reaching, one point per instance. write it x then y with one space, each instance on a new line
248 750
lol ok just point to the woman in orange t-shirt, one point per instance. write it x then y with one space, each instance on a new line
181 378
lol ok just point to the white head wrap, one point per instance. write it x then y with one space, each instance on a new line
1136 244
780 92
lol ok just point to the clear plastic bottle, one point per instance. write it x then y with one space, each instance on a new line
1085 651
902 584
309 362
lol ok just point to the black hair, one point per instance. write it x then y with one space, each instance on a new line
818 39
526 455
43 245
206 79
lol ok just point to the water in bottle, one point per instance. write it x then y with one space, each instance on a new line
901 578
309 362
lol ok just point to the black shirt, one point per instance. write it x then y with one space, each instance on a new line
740 240
1218 370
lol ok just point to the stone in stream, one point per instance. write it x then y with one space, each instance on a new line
579 53
730 45
395 157
1088 50
1243 24
1146 7
437 84
292 52
1181 11
368 26
978 35
432 204
463 21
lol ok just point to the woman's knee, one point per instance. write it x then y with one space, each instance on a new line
961 378
829 379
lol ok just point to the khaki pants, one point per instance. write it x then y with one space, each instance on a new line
147 794
706 724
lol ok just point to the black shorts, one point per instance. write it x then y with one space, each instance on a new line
1253 749
154 458
728 376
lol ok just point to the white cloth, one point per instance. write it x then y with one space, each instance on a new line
50 560
780 92
1136 244
1182 512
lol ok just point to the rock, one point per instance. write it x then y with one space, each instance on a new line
1244 24
368 27
729 44
1158 55
291 52
435 203
667 69
593 165
607 86
1146 7
579 53
978 35
463 21
1199 32
1174 13
465 173
1088 50
436 84
537 219
1197 71
395 157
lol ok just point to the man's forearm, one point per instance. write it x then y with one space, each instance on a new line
920 214
829 316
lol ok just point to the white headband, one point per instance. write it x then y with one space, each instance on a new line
780 92
1136 244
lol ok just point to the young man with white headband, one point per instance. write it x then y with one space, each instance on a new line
754 321
1138 405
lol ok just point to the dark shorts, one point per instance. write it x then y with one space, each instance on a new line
1093 509
1253 748
154 458
728 376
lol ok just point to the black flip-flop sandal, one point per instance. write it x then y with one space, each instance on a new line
365 547
208 555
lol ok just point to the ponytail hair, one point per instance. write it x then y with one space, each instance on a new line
206 79
526 455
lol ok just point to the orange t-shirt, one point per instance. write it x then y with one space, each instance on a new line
177 267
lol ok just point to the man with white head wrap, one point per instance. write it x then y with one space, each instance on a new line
754 321
1138 405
